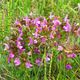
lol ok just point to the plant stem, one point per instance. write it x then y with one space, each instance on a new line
45 64
50 69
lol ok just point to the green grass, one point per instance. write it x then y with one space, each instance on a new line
10 10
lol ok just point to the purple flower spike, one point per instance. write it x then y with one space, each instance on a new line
28 64
38 61
17 62
68 66
18 41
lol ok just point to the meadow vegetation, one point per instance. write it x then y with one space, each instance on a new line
57 68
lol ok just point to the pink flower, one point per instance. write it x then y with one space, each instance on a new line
66 19
47 58
17 62
36 50
36 35
68 66
38 61
53 28
56 22
19 44
58 34
55 43
27 21
44 23
73 55
21 50
43 39
37 22
11 55
17 22
19 38
20 30
67 27
28 64
60 48
39 29
35 41
29 53
30 41
18 41
20 47
51 35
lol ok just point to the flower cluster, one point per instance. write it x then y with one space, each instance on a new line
32 38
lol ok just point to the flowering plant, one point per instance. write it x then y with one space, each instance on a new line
34 41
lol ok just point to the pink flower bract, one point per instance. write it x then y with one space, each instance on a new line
17 62
28 64
60 48
73 55
67 27
38 61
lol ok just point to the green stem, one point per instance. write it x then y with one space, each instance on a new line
50 68
45 64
